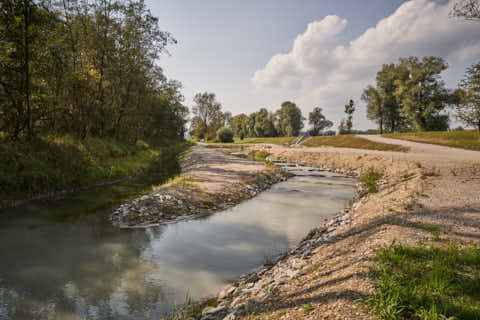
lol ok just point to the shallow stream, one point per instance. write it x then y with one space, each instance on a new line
57 266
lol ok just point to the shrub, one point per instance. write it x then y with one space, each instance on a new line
369 180
224 135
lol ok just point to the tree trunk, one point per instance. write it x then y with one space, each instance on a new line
26 17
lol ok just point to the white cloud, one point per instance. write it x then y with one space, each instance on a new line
327 75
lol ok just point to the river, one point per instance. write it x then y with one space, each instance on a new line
58 265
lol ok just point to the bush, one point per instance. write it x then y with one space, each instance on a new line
224 135
369 180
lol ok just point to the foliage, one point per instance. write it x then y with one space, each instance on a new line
269 140
318 121
351 141
289 119
285 122
348 123
426 282
208 116
259 155
409 96
467 9
224 135
85 68
52 163
369 180
468 108
465 139
422 94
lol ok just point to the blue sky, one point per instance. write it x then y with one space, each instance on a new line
246 53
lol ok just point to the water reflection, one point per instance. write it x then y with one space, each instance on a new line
85 269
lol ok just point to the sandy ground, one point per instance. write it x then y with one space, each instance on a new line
428 186
213 170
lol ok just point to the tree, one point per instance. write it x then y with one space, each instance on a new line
375 106
349 110
382 104
264 126
318 121
422 94
467 9
468 108
289 119
224 135
342 128
239 125
209 117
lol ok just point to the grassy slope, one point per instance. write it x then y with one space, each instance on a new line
427 282
55 163
351 141
272 140
467 139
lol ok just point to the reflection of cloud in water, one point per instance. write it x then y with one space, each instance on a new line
80 269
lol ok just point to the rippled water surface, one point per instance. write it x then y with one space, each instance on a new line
54 266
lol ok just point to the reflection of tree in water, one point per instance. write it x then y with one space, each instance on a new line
75 269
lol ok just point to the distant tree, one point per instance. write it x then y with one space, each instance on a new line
318 121
422 94
209 117
289 119
239 125
382 104
468 108
375 106
264 126
467 9
342 129
224 135
348 123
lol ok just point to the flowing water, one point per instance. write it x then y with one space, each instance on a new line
57 265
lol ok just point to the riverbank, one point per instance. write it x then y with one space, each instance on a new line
212 180
50 167
422 201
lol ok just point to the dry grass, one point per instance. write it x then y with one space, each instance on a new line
464 139
351 141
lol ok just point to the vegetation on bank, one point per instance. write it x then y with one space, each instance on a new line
260 140
351 141
268 140
427 282
465 139
369 180
55 163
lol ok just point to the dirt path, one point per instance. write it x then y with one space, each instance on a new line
213 170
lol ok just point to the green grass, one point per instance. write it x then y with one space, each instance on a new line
426 282
258 155
464 139
351 141
369 180
55 163
270 140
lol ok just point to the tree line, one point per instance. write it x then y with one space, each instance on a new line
86 68
208 119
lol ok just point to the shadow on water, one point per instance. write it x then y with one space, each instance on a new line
62 260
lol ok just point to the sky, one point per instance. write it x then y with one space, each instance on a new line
255 54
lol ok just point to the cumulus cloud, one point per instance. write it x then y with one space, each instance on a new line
325 73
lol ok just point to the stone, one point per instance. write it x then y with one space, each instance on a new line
212 310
